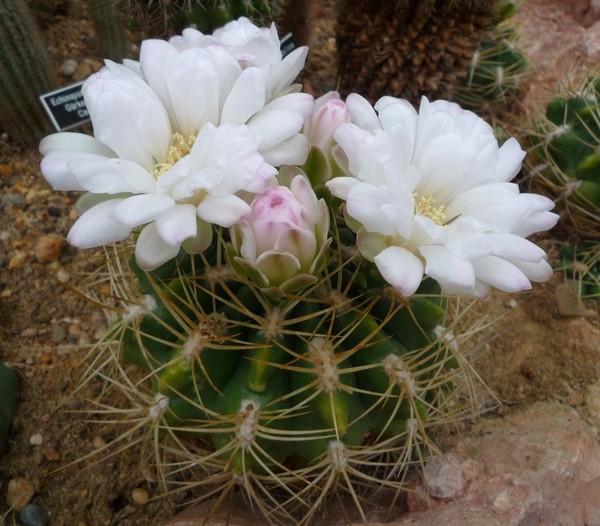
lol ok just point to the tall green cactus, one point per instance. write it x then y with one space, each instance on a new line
25 74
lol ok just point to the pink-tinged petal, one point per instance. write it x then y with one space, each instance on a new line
223 211
140 209
177 224
401 269
74 142
246 98
98 227
303 192
244 240
112 176
501 274
151 251
292 151
363 114
446 268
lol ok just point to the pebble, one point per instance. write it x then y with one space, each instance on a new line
49 248
33 515
140 496
59 333
6 171
82 71
17 260
51 454
68 68
36 440
19 493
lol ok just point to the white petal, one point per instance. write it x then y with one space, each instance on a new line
246 98
341 186
273 127
74 142
283 73
98 227
445 267
177 224
112 176
140 209
539 271
363 114
55 169
151 251
223 211
509 161
501 274
292 151
401 269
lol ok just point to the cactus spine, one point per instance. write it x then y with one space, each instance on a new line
25 74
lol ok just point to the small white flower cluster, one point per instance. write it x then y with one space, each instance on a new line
198 133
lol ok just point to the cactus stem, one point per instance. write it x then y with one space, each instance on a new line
158 407
133 312
323 358
399 374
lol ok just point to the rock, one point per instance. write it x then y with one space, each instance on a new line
140 496
539 466
18 259
6 171
59 333
33 515
569 304
68 67
36 440
19 493
49 248
82 72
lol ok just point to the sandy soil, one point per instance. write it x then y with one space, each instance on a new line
532 353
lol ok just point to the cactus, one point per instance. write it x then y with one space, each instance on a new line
167 17
494 74
564 160
288 395
110 32
25 74
580 264
408 48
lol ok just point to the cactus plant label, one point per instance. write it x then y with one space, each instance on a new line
288 44
66 107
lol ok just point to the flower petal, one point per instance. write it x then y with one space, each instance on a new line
223 211
401 269
177 224
74 142
98 227
446 268
151 251
501 274
139 209
246 98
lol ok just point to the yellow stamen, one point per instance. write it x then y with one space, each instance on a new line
180 147
425 206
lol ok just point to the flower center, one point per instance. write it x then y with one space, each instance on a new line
425 206
180 147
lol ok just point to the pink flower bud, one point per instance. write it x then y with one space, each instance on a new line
330 111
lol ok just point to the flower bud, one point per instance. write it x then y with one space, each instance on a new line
330 111
282 242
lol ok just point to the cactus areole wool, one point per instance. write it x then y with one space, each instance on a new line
65 107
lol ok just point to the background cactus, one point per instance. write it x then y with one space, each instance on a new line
290 396
25 74
9 396
495 72
168 17
564 159
580 263
110 31
408 48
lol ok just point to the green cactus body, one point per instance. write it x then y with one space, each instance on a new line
565 157
287 386
580 264
110 33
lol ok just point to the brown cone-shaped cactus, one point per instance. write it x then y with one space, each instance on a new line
408 48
